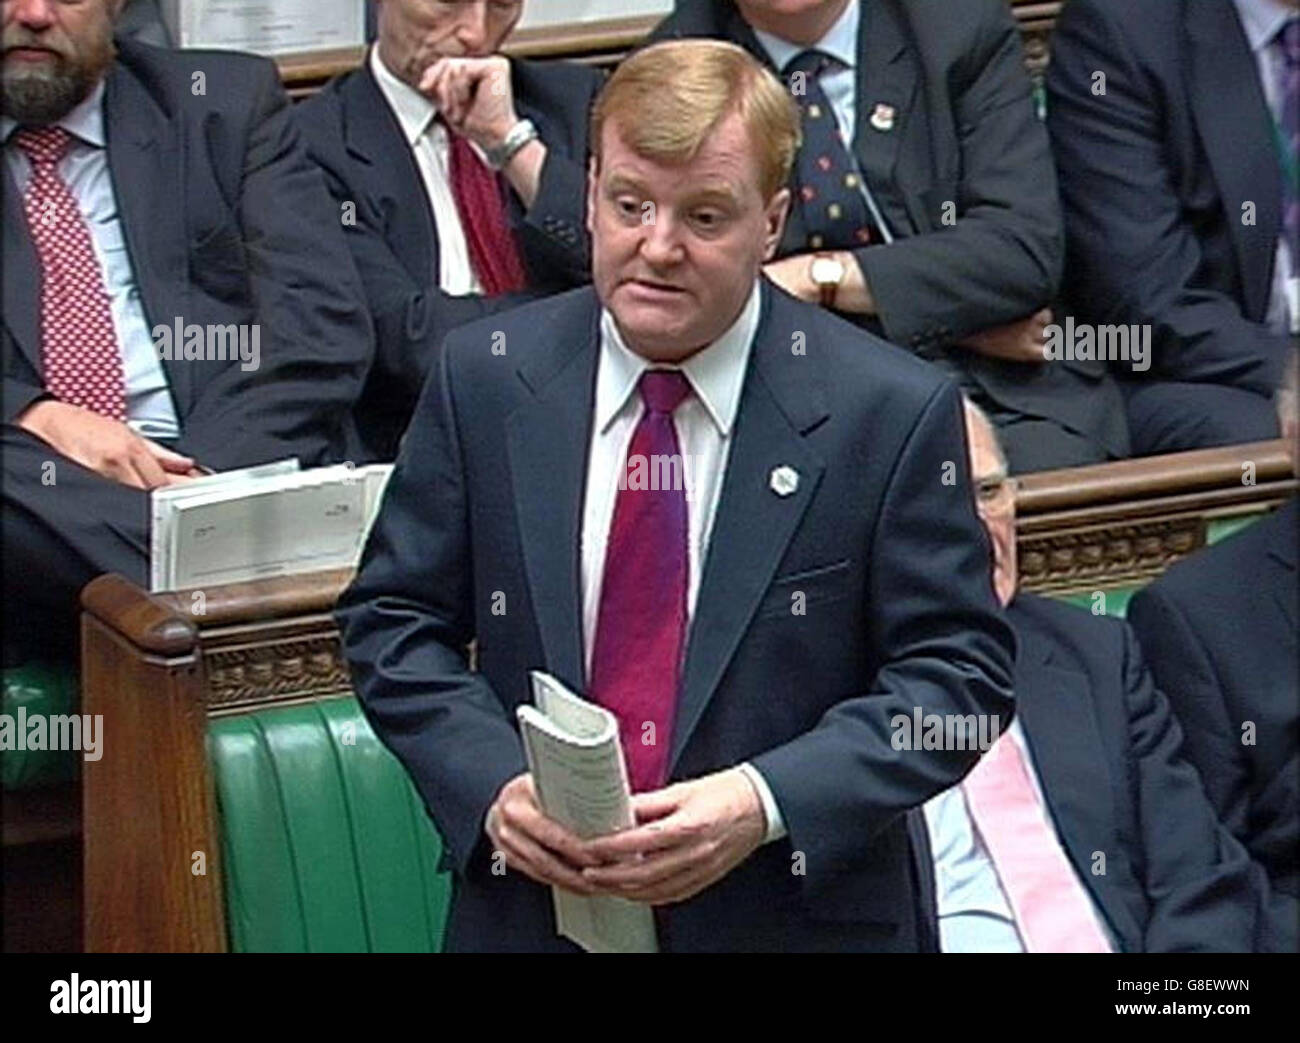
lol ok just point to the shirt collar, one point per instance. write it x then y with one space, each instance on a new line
1263 20
413 110
840 41
85 122
716 373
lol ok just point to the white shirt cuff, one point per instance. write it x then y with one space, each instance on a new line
775 823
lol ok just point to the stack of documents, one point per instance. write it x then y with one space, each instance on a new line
272 520
576 760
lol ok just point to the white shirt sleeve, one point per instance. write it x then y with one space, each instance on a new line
775 823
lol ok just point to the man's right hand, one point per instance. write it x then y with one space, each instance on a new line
535 845
106 446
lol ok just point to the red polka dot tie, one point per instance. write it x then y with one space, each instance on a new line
79 350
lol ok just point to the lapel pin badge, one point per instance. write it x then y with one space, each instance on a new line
784 480
882 117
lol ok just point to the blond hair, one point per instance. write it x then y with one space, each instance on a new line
667 98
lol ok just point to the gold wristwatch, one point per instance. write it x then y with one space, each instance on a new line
826 272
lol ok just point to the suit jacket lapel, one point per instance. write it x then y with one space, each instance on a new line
22 279
887 76
753 525
548 441
373 136
1235 124
146 163
1055 710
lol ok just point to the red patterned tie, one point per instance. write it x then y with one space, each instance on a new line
480 201
79 350
641 624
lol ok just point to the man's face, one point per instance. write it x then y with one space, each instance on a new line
995 499
676 249
413 34
799 21
55 51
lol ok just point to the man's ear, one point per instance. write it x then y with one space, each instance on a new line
776 212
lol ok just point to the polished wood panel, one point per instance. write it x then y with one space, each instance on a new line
1085 528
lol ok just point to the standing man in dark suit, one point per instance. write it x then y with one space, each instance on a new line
925 204
461 176
1219 629
804 564
1082 829
146 192
1175 126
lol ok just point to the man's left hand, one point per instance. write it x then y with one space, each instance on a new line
474 96
688 836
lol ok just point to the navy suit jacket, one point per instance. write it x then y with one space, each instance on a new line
1219 629
1108 754
964 131
1154 174
226 221
352 133
880 536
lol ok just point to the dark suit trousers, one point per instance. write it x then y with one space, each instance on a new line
1166 416
62 526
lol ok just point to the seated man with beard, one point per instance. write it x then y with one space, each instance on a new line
147 190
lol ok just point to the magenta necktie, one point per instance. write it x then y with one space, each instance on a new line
1051 908
641 624
80 356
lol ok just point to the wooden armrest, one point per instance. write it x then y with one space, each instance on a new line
1151 476
169 624
140 617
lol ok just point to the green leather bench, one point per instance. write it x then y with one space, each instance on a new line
39 689
326 845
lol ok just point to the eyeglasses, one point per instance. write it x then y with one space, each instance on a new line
996 493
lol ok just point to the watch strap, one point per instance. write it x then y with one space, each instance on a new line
516 138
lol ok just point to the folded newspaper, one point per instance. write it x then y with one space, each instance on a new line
576 760
271 520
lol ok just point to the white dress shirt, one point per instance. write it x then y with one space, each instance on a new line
974 913
1262 20
704 423
427 137
149 407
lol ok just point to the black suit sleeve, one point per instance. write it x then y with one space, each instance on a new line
411 320
1001 260
19 393
316 338
943 647
1184 672
558 215
407 621
1203 889
1133 257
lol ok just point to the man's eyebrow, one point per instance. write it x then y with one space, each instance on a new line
711 193
619 181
